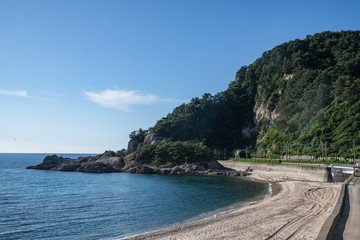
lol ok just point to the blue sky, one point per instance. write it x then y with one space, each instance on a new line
79 76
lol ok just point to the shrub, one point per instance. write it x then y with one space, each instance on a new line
145 154
171 153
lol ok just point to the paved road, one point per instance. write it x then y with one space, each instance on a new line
352 227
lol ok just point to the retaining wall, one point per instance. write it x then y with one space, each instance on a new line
327 231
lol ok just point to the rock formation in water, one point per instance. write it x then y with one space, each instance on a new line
116 162
102 163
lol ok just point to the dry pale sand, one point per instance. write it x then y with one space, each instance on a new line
297 211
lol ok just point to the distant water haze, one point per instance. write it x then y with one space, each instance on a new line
38 204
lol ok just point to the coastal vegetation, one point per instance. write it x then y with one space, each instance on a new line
172 153
118 154
300 98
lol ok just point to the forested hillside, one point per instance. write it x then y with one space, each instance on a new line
297 97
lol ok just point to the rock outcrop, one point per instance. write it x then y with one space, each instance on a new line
149 139
124 161
104 163
96 164
132 146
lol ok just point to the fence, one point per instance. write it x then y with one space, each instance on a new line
304 152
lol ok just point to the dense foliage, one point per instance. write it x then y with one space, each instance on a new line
310 85
320 104
138 136
118 154
214 120
171 153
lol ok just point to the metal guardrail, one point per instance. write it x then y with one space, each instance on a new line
342 165
305 164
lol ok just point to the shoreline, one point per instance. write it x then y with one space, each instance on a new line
296 209
274 189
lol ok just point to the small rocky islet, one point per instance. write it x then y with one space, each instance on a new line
124 161
104 163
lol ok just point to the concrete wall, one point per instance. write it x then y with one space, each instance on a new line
327 231
340 177
313 172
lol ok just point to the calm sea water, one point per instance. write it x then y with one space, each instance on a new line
36 204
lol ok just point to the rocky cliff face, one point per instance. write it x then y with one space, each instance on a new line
264 114
265 110
132 146
149 139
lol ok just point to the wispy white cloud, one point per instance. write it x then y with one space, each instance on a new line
14 93
174 100
120 99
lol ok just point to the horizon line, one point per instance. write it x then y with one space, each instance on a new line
49 153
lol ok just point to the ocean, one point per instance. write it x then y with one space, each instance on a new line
37 204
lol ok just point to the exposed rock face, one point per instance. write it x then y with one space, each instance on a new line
151 139
288 76
104 164
132 146
265 110
264 113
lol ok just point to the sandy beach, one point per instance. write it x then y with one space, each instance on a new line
297 210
